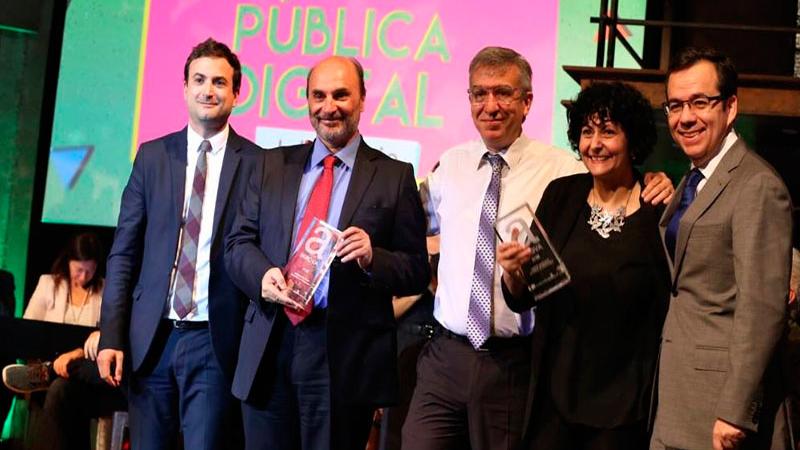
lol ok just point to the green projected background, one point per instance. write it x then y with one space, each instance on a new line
94 108
577 46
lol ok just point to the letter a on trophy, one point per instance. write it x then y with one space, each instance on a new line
311 259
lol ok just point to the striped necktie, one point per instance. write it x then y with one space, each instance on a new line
182 300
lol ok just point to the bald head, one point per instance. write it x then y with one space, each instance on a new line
340 61
335 90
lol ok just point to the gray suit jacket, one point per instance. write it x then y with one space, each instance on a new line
727 313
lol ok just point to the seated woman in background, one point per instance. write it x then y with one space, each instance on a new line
71 294
601 331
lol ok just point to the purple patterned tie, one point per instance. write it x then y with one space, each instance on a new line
479 317
187 262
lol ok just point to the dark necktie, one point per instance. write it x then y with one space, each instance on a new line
687 197
317 206
479 316
187 261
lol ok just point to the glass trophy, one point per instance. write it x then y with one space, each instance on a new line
310 260
545 273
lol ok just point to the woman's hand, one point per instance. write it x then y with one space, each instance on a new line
61 363
90 346
511 256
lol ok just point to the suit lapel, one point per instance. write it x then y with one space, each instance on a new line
294 163
230 164
176 148
705 198
673 205
363 171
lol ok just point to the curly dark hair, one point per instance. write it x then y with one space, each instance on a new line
621 104
83 247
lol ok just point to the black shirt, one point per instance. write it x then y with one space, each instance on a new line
609 322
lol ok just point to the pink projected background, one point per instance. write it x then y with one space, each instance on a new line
416 54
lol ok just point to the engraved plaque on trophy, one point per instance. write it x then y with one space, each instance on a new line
310 260
545 273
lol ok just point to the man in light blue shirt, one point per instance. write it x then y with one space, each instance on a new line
311 377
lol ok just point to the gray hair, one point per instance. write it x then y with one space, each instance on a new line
502 57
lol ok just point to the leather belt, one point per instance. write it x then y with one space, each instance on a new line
493 343
426 330
187 324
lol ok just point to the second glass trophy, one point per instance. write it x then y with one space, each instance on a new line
545 273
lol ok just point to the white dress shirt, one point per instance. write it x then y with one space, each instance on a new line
712 164
453 202
214 159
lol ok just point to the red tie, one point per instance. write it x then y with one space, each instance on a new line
317 207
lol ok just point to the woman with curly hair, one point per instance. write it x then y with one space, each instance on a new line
601 333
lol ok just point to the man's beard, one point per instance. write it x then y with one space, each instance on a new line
337 137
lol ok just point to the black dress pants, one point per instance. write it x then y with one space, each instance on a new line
291 406
467 398
69 405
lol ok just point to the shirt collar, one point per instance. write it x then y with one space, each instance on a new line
218 141
510 155
727 143
347 155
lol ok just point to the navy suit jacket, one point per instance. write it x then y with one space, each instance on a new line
381 199
146 242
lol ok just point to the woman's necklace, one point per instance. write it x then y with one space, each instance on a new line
76 317
604 222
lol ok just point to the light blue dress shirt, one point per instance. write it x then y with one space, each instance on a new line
342 172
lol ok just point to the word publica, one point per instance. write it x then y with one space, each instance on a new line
310 30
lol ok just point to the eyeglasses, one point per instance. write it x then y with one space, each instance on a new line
696 104
504 95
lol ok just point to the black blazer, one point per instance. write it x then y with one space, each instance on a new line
146 241
382 199
559 212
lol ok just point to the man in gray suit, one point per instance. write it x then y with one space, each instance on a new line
728 233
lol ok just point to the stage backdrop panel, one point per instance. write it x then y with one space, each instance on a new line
121 77
94 111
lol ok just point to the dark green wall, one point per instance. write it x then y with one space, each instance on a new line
24 54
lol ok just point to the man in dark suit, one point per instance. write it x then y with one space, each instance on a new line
311 379
728 233
171 316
